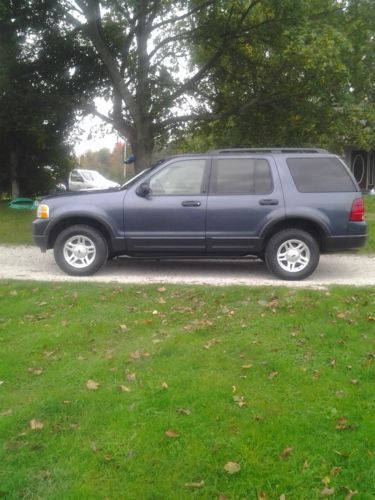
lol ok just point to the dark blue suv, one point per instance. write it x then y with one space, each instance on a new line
285 206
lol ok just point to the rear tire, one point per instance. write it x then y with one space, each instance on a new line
292 254
80 250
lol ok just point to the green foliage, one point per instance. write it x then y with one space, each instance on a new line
185 380
39 92
299 74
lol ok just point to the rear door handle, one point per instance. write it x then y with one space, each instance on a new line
268 202
191 203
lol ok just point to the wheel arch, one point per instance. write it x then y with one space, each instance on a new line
66 222
317 230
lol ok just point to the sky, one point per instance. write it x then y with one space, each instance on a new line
95 135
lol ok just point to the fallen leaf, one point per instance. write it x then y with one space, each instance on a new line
172 434
351 494
131 377
123 328
36 424
354 381
161 289
239 400
334 471
92 385
1 382
282 497
155 312
210 343
232 467
327 492
183 411
316 374
246 367
124 388
332 362
343 425
197 484
164 385
286 452
35 371
7 413
272 375
326 480
262 495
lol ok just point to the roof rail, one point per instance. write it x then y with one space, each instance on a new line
269 150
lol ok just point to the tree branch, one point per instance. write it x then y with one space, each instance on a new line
183 16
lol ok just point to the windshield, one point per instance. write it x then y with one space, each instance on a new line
137 177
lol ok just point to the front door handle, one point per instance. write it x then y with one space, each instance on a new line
191 203
268 202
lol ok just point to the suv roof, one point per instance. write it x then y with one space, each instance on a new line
269 150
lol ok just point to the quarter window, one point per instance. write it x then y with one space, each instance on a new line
320 175
179 178
241 176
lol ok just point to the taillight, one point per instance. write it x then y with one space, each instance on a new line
357 213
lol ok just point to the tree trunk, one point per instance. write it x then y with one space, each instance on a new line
143 146
14 173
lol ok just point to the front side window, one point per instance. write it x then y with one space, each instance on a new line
241 176
179 178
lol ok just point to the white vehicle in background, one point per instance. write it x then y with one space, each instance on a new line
80 179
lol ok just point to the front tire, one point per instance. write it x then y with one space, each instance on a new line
80 250
292 254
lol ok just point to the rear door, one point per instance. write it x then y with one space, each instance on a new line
244 196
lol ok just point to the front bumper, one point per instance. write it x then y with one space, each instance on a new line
40 233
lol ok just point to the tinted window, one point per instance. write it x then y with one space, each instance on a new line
320 175
181 177
241 176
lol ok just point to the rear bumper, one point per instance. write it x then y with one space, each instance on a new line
349 241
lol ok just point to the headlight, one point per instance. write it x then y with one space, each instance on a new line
42 211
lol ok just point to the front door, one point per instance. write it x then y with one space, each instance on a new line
170 220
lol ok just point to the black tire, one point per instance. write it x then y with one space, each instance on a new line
292 254
80 250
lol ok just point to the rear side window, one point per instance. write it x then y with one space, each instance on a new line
320 175
241 176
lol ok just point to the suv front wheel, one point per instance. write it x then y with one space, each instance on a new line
292 254
80 250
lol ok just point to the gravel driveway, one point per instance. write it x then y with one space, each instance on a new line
28 263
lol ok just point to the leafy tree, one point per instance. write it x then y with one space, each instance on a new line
304 77
38 96
144 48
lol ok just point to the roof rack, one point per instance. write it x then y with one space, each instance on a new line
270 150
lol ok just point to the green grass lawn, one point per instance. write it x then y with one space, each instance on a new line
370 218
15 225
148 392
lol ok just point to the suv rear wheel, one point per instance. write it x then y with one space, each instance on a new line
80 250
292 254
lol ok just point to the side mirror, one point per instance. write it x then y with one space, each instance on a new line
143 189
